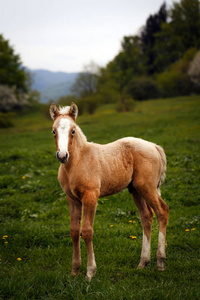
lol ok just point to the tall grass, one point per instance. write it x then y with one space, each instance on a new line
35 245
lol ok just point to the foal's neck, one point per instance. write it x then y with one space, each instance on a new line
80 140
78 145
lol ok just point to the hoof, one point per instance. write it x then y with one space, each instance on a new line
160 264
161 269
75 270
87 278
90 273
74 274
143 263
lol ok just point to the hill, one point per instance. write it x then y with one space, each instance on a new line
52 85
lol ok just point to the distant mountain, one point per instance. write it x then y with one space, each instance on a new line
52 85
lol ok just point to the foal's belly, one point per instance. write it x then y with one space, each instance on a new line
115 175
116 185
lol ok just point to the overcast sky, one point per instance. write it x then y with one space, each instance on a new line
65 35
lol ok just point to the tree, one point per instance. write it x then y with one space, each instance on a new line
128 63
14 80
175 81
12 72
185 20
181 33
86 82
148 37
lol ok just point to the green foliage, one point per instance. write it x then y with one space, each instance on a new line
5 120
127 63
176 81
35 218
107 87
148 37
66 100
86 82
15 81
90 104
156 62
153 63
143 88
125 104
180 34
185 21
11 71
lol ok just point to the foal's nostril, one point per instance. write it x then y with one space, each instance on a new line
62 157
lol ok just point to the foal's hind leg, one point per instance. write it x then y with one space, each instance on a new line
146 215
162 216
161 210
75 208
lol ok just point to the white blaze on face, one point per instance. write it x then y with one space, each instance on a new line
63 136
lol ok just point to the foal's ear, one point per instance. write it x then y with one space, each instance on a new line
73 111
54 112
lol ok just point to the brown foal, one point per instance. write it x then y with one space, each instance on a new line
89 171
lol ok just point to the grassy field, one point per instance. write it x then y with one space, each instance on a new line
35 244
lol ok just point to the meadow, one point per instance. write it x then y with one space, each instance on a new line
35 243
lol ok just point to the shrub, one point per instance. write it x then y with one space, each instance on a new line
143 88
90 103
176 80
67 100
5 120
125 104
174 83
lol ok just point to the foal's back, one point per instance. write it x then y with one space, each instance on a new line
116 163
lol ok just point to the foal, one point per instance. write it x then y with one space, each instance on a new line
89 171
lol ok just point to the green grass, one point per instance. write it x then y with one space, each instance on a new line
35 218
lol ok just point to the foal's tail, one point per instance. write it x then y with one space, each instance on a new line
164 165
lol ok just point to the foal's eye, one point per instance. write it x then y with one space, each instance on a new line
54 132
73 131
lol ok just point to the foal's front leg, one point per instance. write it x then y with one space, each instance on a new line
89 201
75 208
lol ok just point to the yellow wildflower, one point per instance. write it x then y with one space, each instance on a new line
23 177
130 221
111 225
19 259
5 236
133 221
5 242
187 229
193 229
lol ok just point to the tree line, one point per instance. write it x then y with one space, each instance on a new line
162 60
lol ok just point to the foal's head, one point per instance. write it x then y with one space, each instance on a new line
64 129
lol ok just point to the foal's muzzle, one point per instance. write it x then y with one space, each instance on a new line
62 157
